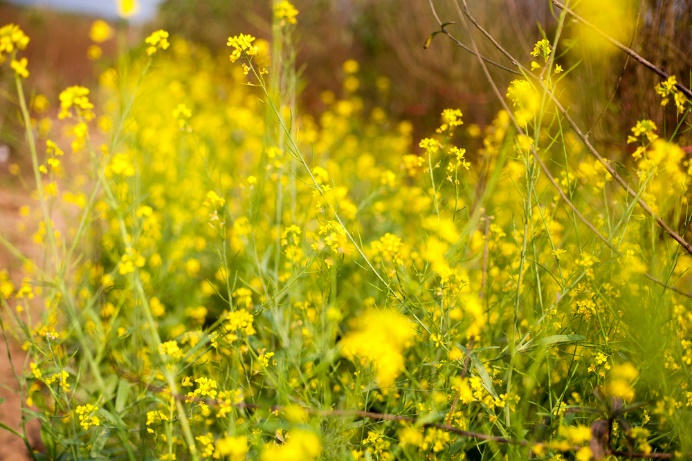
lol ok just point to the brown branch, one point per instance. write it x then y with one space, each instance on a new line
484 273
540 162
460 44
686 245
641 60
131 377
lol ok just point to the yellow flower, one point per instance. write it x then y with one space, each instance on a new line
127 8
100 31
129 261
379 337
300 445
240 320
350 66
157 41
584 454
171 349
541 48
77 98
410 436
525 98
621 381
86 416
234 448
60 379
155 417
575 434
285 12
242 44
182 114
11 38
19 67
667 89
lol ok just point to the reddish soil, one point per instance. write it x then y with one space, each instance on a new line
57 59
11 447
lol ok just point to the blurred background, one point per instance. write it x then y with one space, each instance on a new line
607 92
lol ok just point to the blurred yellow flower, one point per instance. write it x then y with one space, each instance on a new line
100 31
380 337
285 12
127 8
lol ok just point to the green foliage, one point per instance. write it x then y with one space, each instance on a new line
245 282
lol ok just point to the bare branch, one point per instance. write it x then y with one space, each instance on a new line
641 60
619 179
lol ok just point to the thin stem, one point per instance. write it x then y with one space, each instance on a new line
640 59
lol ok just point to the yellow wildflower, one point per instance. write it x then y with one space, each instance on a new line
100 31
379 338
242 44
234 448
77 98
86 416
19 67
285 12
157 41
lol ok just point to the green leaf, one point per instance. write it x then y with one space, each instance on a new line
485 377
121 396
99 443
551 340
429 418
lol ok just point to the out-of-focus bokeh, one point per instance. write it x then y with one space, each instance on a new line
388 41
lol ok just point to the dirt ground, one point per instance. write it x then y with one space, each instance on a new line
57 58
11 447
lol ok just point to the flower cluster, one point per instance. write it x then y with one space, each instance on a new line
157 41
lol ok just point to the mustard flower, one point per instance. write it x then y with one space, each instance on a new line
242 44
410 436
667 89
525 98
575 434
75 98
240 320
60 379
157 41
127 8
19 67
300 445
412 163
431 146
12 38
170 349
86 416
243 297
451 118
155 417
333 237
380 338
350 66
643 128
100 31
620 384
233 448
285 12
541 48
213 200
182 114
205 387
35 370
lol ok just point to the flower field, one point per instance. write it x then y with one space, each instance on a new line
220 275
